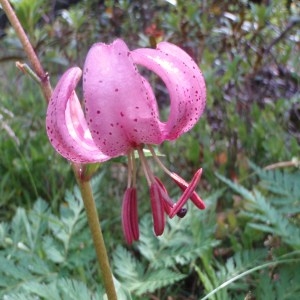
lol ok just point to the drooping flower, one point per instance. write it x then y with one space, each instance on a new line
121 117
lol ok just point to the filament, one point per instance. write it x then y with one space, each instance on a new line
148 174
158 161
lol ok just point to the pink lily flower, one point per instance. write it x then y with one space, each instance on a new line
121 118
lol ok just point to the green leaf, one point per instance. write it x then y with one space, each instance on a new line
76 290
126 265
47 291
237 188
155 280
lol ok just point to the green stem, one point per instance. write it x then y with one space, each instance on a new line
95 228
84 185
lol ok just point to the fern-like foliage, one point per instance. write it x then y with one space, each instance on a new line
271 207
59 289
283 285
136 278
38 249
282 188
212 276
280 183
268 214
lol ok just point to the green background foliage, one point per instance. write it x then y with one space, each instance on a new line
246 244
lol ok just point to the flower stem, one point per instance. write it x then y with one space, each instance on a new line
84 185
95 228
36 65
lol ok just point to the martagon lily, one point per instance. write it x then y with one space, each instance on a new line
122 118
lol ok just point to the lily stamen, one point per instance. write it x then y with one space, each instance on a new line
183 185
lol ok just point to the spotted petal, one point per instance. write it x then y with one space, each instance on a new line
184 82
66 126
120 106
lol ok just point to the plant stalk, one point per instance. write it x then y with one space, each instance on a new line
97 236
84 185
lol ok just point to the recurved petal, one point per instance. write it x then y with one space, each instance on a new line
65 123
184 82
121 110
